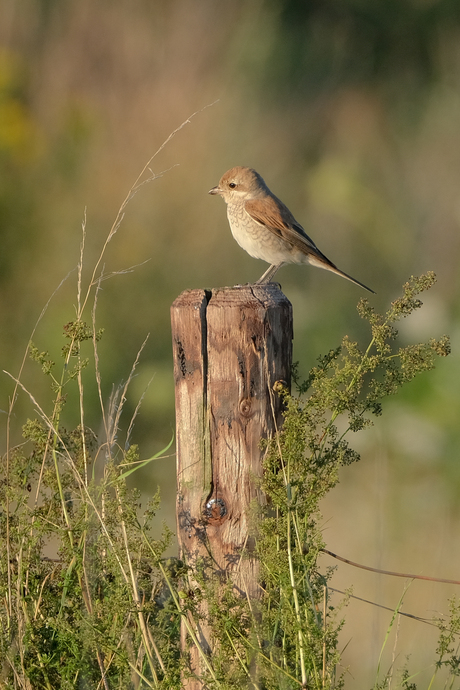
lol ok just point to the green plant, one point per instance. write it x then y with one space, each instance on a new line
84 616
301 466
448 649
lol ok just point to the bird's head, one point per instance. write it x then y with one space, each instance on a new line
239 184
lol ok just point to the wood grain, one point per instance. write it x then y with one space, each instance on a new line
230 347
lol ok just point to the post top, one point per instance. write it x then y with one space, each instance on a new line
268 295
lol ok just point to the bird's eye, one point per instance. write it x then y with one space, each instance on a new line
232 185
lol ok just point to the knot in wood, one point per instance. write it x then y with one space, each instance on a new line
215 510
279 386
246 407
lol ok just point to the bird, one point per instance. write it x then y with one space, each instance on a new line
264 227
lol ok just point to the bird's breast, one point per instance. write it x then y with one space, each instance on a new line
258 240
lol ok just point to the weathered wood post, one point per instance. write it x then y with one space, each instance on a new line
230 346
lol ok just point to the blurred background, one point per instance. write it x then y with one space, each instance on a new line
351 112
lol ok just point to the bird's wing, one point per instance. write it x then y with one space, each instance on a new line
275 216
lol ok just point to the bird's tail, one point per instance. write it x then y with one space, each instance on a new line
353 280
329 266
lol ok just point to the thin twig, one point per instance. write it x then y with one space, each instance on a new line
407 576
132 191
386 608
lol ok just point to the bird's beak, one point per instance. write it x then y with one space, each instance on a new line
214 190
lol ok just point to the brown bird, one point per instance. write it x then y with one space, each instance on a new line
265 227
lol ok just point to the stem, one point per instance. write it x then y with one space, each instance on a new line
336 412
324 630
296 602
183 613
137 600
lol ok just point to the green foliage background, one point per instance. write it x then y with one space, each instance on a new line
350 111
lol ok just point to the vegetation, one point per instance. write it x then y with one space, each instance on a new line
88 598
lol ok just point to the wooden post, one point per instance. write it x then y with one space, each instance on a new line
231 346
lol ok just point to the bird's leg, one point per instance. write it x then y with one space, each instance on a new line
269 273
